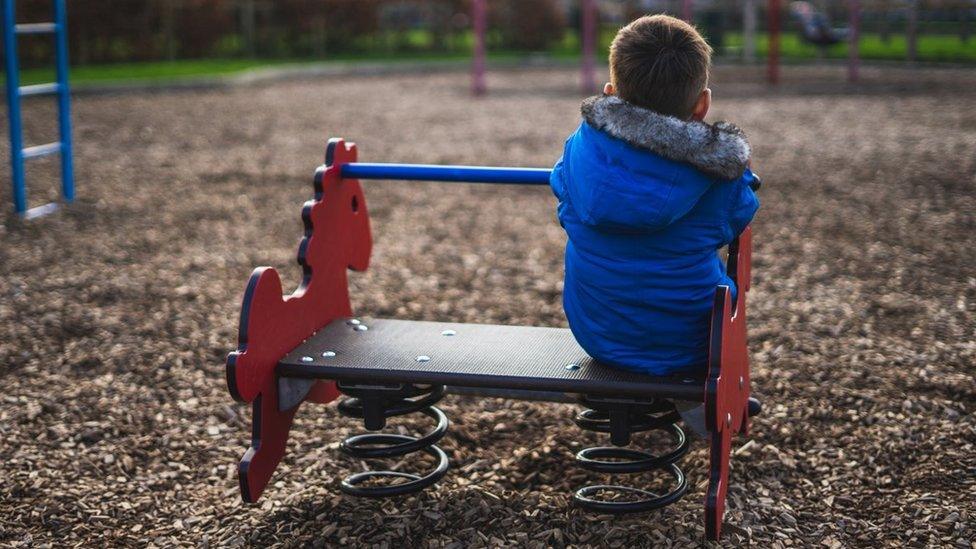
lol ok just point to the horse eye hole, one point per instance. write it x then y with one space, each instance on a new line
355 204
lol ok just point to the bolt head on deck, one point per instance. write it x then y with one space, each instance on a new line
328 354
307 359
573 366
449 333
361 327
353 322
423 358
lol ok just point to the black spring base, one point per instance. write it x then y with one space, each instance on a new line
374 404
620 418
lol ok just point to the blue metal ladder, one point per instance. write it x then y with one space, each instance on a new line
18 153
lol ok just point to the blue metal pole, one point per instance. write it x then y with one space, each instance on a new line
461 174
64 102
13 106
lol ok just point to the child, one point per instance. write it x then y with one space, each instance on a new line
648 193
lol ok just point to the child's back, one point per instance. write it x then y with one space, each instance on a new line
647 200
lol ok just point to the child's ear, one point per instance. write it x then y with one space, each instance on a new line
701 107
608 89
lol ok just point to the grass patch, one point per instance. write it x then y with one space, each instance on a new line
161 71
931 48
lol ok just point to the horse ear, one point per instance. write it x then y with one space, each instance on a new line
338 152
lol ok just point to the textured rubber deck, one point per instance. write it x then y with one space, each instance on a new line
469 355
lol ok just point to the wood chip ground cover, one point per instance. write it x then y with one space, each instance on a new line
116 428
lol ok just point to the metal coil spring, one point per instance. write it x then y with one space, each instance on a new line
374 404
620 418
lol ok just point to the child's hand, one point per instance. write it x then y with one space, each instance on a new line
756 183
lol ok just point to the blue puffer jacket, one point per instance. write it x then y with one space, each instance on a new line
647 201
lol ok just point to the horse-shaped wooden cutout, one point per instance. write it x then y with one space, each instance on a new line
337 238
727 387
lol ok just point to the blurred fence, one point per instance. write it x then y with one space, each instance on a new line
138 30
130 30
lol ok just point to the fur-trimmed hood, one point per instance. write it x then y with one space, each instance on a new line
719 150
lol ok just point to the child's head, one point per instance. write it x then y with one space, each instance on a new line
661 63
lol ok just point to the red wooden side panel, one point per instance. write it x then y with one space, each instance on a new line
337 238
727 389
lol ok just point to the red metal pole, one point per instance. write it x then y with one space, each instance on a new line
687 10
479 17
854 48
588 41
773 20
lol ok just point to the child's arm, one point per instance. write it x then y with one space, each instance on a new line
744 203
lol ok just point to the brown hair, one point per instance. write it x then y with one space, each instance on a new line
660 63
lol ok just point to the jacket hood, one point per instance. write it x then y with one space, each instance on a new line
718 150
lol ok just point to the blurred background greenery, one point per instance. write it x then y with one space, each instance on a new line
118 40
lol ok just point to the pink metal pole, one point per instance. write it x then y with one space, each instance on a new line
911 31
479 17
854 62
687 10
773 21
588 40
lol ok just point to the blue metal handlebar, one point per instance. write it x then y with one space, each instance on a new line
462 174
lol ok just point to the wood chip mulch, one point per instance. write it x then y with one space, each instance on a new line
116 428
